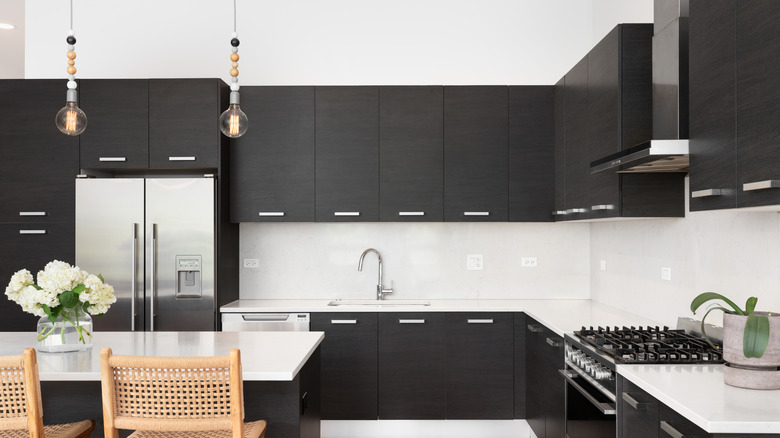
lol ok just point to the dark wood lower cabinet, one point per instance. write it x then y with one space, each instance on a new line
638 412
349 365
480 366
411 366
545 393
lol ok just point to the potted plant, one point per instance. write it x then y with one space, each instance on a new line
751 342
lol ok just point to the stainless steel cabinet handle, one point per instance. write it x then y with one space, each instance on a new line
761 185
476 213
604 408
559 213
343 321
411 213
670 430
104 159
264 317
181 158
707 192
411 321
133 269
576 210
534 328
634 403
32 231
480 321
553 342
154 274
602 207
32 213
346 213
271 213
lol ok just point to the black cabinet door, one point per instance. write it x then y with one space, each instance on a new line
411 366
758 108
347 154
30 246
38 163
117 134
560 149
184 123
531 138
475 153
712 70
576 165
348 365
411 149
672 425
521 321
480 366
545 397
638 412
272 165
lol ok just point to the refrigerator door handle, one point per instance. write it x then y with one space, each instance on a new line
134 268
154 275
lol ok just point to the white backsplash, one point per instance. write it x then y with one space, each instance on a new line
736 253
424 260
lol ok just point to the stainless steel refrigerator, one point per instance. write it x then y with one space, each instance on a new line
154 241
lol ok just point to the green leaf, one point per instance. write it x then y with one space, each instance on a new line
69 299
100 276
85 306
54 312
79 289
703 331
750 305
708 296
756 337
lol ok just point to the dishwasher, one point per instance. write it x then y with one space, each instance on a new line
265 322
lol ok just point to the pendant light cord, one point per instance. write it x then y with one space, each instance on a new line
234 15
71 14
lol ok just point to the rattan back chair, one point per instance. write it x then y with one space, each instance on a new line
21 410
175 396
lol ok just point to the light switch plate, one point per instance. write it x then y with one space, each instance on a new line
666 274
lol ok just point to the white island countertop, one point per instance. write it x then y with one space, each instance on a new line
264 355
697 392
561 316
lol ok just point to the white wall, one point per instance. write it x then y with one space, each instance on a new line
12 41
736 253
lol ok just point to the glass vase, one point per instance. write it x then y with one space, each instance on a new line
71 331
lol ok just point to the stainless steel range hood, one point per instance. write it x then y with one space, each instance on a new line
667 151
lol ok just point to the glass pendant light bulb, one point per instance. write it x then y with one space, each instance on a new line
233 122
71 120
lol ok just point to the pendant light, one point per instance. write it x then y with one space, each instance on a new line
233 122
71 120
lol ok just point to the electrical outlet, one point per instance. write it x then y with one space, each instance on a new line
528 262
666 273
474 262
251 263
603 265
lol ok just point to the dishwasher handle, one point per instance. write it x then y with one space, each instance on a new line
272 317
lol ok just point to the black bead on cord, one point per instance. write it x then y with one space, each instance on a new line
71 40
234 42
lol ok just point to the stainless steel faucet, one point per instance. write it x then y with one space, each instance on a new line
380 289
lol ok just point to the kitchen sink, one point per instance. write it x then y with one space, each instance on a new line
378 303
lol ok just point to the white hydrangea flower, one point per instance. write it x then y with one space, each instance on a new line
99 295
57 277
19 281
33 299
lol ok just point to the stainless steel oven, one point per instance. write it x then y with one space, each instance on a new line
591 410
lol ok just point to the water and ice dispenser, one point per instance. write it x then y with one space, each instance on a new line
188 277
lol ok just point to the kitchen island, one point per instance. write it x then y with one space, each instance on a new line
280 372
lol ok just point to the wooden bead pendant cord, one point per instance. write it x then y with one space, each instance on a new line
233 122
71 120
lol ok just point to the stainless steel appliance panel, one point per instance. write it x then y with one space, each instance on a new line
265 322
109 241
180 254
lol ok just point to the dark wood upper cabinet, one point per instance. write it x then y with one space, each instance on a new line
184 123
272 165
713 124
531 170
348 365
411 366
560 148
475 153
38 163
117 134
347 154
480 365
411 154
758 103
576 163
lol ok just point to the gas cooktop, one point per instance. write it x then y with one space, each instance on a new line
651 345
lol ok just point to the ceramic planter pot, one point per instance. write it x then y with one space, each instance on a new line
751 373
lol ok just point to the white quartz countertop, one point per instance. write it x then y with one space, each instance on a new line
561 316
698 393
264 355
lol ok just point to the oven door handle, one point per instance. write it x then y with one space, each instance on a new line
604 408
